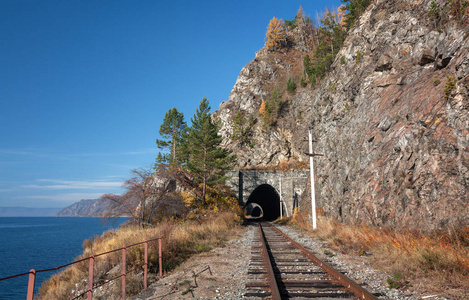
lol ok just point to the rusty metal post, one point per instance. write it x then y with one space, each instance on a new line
123 273
31 282
160 258
145 267
90 277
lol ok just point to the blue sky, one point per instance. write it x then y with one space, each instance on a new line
84 85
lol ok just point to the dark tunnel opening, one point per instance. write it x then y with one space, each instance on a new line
269 201
256 212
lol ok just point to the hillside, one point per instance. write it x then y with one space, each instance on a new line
391 117
86 208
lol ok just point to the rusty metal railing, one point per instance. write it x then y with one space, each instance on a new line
32 273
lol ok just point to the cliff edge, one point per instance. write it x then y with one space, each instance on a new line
391 118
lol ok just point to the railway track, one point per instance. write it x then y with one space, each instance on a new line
280 268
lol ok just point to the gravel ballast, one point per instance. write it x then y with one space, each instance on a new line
222 272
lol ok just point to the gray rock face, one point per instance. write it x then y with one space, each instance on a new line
395 145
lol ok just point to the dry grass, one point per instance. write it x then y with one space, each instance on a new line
433 262
181 239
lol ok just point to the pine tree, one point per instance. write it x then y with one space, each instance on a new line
291 85
238 127
172 130
207 161
433 12
161 160
272 108
355 9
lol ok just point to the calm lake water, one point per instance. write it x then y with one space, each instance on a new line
41 243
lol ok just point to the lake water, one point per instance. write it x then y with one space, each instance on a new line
41 243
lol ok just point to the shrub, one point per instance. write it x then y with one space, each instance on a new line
358 56
291 85
272 108
434 12
397 281
449 86
303 82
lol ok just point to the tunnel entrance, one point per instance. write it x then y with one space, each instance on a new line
256 212
264 202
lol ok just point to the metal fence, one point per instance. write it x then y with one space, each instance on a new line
32 273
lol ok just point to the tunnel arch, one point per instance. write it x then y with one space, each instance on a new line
264 201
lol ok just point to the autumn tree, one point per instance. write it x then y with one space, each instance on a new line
149 197
207 160
341 11
171 131
262 108
164 201
132 203
275 35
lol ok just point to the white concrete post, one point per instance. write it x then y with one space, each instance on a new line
281 199
311 173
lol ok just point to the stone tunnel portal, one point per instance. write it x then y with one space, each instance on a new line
264 202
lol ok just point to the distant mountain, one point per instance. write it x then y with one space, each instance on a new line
86 208
27 212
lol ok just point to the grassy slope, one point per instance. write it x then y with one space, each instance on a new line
181 239
432 263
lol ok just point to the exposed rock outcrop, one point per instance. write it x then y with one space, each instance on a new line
394 133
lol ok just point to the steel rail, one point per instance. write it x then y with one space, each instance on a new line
266 259
348 283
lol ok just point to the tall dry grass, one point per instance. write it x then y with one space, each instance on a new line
411 257
181 239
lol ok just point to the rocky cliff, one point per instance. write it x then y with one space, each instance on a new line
391 118
86 208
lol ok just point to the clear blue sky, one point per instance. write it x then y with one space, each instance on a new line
84 85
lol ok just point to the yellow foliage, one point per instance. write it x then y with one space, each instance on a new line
275 34
341 16
189 199
262 108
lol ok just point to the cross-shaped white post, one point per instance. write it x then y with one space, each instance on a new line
311 173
